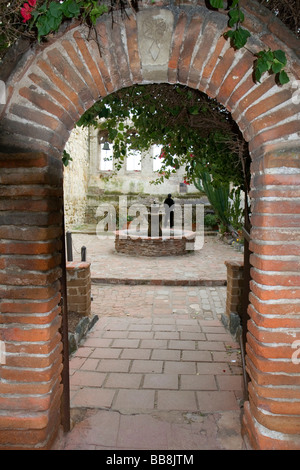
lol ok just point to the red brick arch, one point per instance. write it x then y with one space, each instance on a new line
48 89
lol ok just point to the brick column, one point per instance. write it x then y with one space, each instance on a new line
272 415
235 282
30 231
79 287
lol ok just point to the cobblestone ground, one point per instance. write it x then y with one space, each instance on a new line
206 303
206 264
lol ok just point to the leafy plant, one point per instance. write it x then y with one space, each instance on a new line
66 158
226 203
190 127
218 195
49 16
236 210
210 220
267 61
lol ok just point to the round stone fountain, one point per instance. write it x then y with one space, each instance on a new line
154 239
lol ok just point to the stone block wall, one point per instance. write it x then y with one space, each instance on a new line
79 287
76 175
235 281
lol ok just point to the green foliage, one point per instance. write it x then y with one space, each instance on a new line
191 127
217 194
66 158
226 203
49 16
239 37
269 61
210 220
46 16
217 3
236 210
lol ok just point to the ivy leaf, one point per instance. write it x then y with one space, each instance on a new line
70 9
280 56
194 110
238 37
66 158
283 78
236 16
97 12
43 27
55 9
277 66
217 3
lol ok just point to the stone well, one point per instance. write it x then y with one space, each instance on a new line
140 244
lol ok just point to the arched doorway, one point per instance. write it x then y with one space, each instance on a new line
48 89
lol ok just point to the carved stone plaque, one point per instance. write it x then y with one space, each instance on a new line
154 40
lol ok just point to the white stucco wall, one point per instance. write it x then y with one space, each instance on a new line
76 177
83 175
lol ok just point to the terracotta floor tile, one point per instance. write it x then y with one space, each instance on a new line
134 400
176 400
92 397
154 361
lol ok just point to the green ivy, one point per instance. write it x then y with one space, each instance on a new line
49 16
66 158
138 117
267 61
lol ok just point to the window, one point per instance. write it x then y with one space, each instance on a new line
182 188
157 162
106 158
133 161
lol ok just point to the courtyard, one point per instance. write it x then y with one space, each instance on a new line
158 370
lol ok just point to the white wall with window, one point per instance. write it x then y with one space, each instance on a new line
133 161
106 157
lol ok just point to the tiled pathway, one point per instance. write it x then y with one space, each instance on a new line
158 371
157 382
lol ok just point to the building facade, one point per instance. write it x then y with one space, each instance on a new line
90 177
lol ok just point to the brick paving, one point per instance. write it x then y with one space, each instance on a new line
157 371
204 266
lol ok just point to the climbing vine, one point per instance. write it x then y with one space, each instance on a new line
266 61
38 18
192 129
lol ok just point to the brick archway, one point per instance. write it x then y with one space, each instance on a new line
48 89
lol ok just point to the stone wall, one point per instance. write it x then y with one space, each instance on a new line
76 177
235 282
79 287
154 246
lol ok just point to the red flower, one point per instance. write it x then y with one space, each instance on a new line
32 3
26 12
